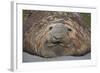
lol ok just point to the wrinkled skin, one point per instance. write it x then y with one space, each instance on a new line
60 37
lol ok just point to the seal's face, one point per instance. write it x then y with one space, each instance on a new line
57 33
51 34
58 38
56 41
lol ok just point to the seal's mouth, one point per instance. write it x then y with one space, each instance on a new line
57 42
67 44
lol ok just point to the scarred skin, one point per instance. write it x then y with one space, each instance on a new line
57 34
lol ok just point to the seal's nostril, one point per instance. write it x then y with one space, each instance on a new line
69 29
50 28
56 37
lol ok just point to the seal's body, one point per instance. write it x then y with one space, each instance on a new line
54 36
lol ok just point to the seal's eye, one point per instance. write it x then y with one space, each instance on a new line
69 29
50 28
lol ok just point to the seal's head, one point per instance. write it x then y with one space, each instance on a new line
62 38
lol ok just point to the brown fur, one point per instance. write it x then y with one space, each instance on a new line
36 36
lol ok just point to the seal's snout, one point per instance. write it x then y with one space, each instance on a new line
58 32
57 40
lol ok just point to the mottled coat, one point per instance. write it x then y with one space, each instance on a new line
52 34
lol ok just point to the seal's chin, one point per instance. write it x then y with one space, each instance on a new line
56 48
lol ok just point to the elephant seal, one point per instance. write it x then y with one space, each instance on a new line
53 34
